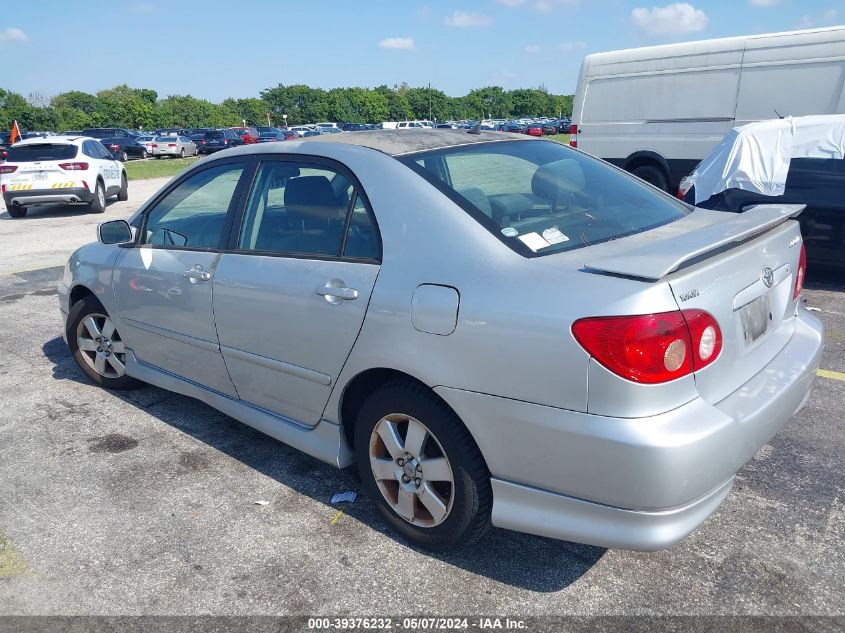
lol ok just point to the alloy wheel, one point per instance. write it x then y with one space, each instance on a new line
411 470
100 346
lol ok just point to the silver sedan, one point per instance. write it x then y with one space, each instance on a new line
497 330
173 146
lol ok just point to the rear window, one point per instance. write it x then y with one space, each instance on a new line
98 133
541 197
166 139
215 134
241 132
40 151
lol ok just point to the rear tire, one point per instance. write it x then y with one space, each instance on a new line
124 156
89 327
16 212
182 153
123 194
447 471
652 175
98 204
144 155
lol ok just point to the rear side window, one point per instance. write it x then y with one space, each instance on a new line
40 151
541 197
305 209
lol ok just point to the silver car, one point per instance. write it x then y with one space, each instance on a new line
498 330
173 146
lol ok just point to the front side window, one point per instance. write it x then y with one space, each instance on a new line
300 208
193 215
541 197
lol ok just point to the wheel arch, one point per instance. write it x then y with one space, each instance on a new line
647 157
79 292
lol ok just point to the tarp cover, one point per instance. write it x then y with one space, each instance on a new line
755 157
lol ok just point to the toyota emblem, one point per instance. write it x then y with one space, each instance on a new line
768 276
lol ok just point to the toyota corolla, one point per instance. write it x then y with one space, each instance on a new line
498 330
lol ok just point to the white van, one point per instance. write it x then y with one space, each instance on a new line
657 111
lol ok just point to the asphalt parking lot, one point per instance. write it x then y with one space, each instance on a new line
144 502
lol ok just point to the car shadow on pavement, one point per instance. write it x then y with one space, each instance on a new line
521 560
54 211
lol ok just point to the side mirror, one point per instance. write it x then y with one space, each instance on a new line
114 232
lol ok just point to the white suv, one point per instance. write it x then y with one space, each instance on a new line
63 170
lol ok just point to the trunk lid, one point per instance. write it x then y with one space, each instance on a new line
738 267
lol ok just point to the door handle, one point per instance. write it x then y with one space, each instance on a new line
197 273
335 294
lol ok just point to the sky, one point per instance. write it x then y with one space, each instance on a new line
216 49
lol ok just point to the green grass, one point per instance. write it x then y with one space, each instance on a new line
560 138
157 168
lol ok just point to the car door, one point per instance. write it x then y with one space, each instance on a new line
163 283
291 294
107 167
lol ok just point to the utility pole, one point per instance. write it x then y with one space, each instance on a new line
429 101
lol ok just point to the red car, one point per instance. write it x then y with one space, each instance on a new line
248 134
534 129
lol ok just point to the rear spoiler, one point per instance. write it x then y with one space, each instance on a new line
666 250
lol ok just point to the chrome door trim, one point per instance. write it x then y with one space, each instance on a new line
277 365
176 336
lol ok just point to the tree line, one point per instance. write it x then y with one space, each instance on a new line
142 108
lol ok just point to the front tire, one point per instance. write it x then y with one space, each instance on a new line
16 212
98 204
123 194
97 346
421 467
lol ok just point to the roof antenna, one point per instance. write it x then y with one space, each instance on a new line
476 129
780 116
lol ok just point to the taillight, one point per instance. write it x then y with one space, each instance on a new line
114 147
651 348
799 274
7 169
74 166
225 141
85 184
683 188
171 144
573 136
153 145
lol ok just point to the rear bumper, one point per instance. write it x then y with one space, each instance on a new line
640 483
48 196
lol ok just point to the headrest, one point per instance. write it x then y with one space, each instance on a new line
556 180
282 172
313 197
477 197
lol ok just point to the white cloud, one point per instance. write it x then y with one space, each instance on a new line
571 46
828 18
532 49
399 43
671 21
13 35
463 19
765 3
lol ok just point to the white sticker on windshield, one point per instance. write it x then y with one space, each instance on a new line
509 231
554 236
533 241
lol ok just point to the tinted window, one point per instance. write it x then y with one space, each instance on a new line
194 213
544 197
214 135
296 208
103 152
40 151
98 132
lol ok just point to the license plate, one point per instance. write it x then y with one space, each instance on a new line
40 176
756 317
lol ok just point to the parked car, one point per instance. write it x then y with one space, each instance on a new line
550 127
71 133
215 140
355 127
328 130
249 135
5 137
273 136
445 299
147 141
123 148
173 131
797 160
36 134
108 132
534 129
60 170
515 127
302 129
290 134
174 147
